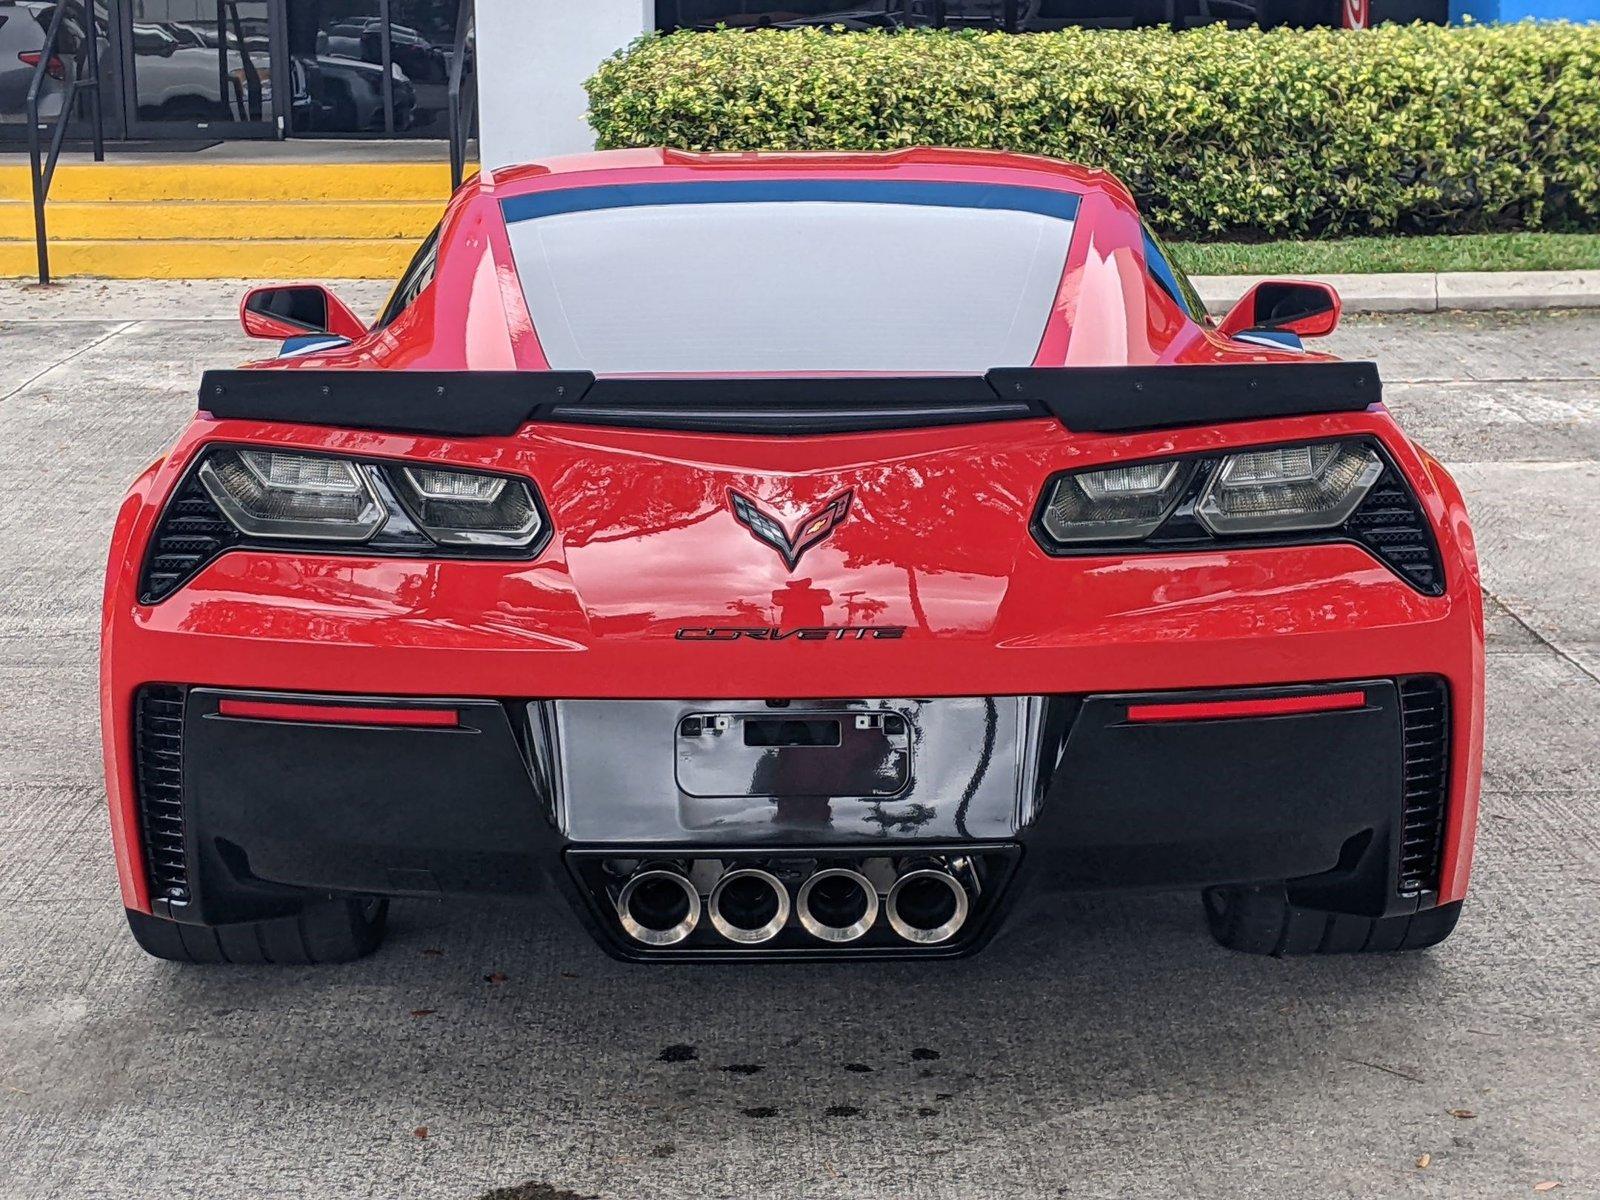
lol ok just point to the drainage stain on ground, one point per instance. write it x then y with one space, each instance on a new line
677 1054
536 1191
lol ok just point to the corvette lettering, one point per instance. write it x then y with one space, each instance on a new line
772 633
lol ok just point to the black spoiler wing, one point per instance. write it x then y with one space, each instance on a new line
498 403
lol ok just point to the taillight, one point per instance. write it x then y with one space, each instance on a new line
1344 490
55 68
256 497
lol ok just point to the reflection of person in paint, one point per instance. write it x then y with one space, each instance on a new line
804 782
800 605
783 776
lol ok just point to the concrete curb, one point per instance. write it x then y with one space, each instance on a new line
160 299
1433 291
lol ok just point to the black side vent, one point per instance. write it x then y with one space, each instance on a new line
1390 524
158 773
1425 722
192 532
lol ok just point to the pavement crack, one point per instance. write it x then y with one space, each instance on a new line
1361 1062
1540 637
1476 381
83 349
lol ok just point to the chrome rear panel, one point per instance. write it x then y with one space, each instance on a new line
815 771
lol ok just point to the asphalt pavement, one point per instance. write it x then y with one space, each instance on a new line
1104 1048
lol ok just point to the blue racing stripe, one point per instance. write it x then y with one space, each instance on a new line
1045 201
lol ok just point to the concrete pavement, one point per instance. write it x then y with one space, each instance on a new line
1105 1048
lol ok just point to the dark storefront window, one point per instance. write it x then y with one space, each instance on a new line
23 26
1017 16
339 56
199 61
188 69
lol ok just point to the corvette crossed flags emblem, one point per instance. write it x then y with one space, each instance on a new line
812 529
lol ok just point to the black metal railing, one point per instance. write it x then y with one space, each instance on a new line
84 76
463 94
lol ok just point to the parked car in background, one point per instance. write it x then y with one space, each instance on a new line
346 95
185 74
363 40
23 24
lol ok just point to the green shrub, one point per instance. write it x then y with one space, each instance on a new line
1404 128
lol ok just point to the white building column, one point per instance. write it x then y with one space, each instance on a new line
532 59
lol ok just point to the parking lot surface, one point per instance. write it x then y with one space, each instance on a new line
1106 1047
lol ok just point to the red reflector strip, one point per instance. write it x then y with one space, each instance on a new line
1203 710
338 714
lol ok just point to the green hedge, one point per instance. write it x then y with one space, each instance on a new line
1404 128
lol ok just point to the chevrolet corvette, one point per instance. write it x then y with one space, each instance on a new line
791 556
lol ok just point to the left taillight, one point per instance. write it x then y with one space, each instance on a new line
246 496
464 508
271 494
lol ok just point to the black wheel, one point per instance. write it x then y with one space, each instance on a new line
325 931
1261 920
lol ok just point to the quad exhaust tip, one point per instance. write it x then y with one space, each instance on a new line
749 906
658 906
837 905
927 905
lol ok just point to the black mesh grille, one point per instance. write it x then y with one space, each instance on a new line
1391 525
158 766
1425 721
192 532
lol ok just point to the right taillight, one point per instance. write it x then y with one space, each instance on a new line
1315 486
1333 490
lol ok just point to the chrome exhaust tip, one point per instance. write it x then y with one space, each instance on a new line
749 906
658 906
837 904
927 906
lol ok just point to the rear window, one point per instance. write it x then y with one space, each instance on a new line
790 275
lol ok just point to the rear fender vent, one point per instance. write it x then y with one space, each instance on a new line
1425 723
158 778
191 533
1390 524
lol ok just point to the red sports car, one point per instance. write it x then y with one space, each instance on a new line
791 556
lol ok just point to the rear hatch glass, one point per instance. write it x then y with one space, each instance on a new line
790 276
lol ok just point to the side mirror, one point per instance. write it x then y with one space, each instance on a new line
294 311
1284 306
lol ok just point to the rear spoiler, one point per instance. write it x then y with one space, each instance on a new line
498 403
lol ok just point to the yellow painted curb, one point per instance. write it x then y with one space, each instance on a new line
191 220
236 181
277 258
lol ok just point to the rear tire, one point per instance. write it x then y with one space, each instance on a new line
1261 920
324 931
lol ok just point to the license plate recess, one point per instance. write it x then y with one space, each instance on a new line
791 752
